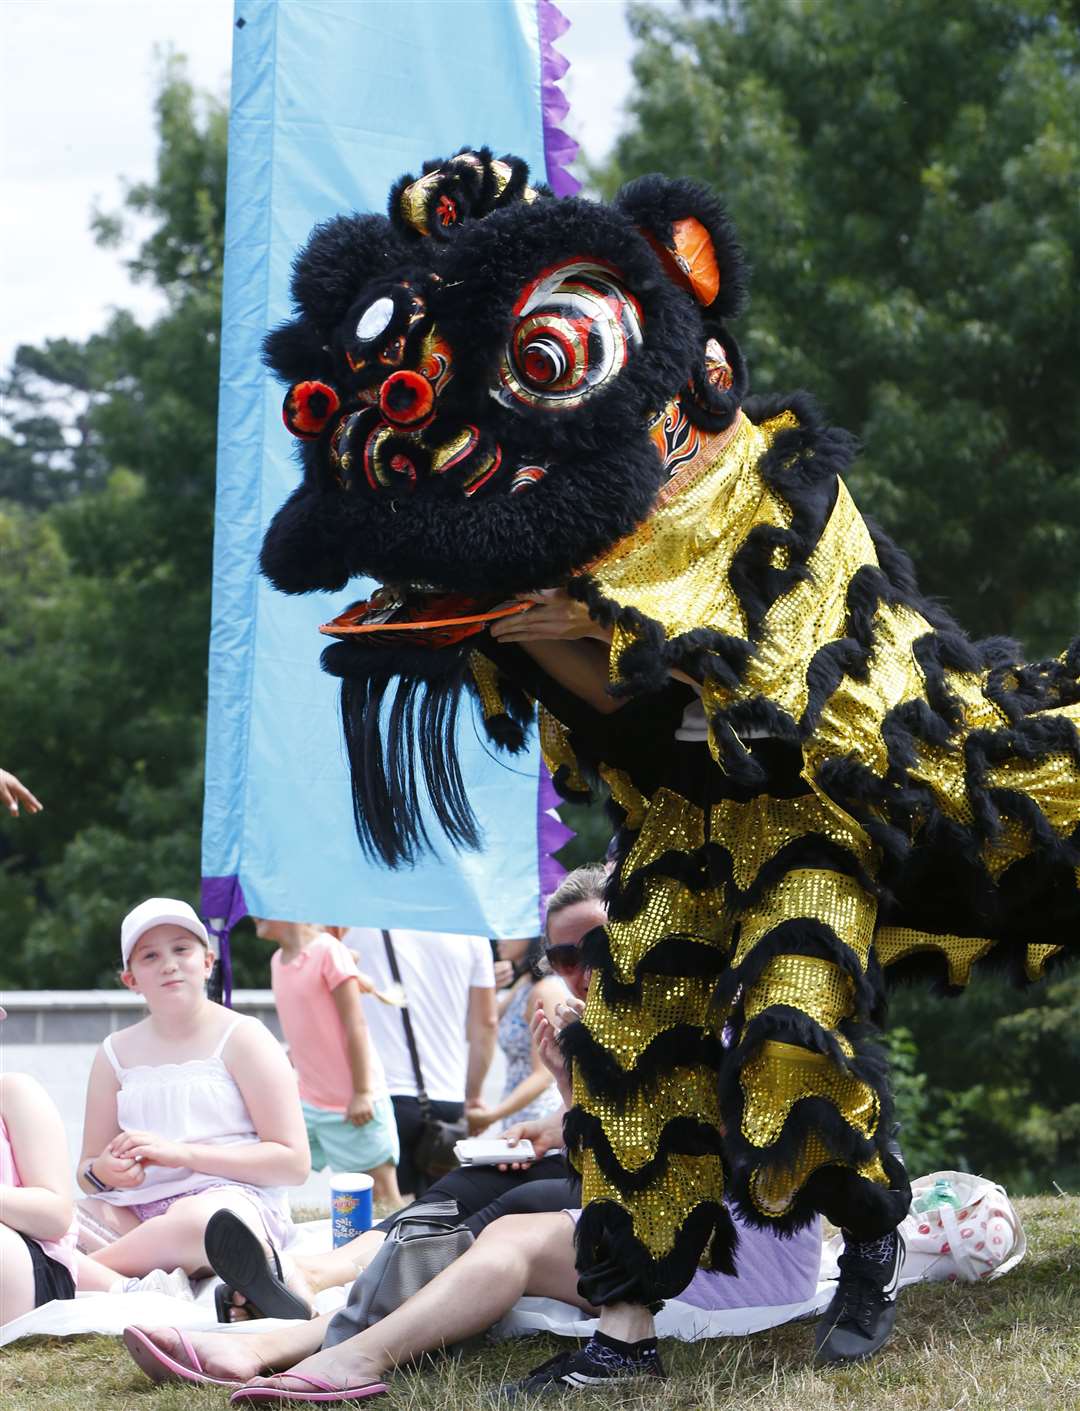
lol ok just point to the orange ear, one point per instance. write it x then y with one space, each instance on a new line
690 259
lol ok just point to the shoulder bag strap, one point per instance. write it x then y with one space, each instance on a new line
410 1037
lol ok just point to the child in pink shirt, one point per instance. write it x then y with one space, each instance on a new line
347 1109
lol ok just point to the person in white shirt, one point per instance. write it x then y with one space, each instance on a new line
449 984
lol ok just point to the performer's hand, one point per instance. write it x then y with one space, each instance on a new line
478 1115
13 793
556 617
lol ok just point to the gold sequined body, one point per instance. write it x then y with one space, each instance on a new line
728 1031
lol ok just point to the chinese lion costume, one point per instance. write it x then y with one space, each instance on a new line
816 775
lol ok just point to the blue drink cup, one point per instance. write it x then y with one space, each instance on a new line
350 1205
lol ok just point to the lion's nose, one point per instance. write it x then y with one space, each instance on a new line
407 400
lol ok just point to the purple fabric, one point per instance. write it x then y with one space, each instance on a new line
551 834
559 148
773 1271
223 899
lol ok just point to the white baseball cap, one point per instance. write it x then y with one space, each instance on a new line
158 911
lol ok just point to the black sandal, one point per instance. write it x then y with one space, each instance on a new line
237 1256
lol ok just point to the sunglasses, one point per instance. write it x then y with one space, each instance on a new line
564 960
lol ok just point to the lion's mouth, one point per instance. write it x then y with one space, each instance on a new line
419 615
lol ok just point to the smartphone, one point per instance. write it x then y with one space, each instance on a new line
492 1151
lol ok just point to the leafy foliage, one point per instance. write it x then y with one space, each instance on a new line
905 180
106 472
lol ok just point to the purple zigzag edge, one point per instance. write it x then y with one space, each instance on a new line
560 149
551 834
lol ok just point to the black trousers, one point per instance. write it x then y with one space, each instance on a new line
483 1193
409 1122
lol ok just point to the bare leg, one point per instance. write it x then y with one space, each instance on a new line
515 1255
95 1277
239 1358
340 1266
628 1322
175 1240
385 1192
16 1276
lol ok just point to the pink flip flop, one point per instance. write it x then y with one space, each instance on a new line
160 1367
321 1391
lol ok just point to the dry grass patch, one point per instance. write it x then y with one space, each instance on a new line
1013 1345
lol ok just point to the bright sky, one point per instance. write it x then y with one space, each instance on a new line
77 79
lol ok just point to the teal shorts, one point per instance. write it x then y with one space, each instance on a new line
343 1147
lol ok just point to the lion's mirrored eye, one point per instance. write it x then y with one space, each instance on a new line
375 319
576 327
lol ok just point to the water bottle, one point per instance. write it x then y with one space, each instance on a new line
941 1193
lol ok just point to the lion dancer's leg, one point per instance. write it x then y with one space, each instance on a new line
644 1130
804 1092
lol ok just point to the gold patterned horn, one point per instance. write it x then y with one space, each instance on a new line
414 201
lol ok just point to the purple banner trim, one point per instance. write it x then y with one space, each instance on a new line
223 900
560 149
551 834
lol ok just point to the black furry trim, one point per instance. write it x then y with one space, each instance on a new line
809 850
682 1046
676 955
682 1136
807 1115
802 936
615 1267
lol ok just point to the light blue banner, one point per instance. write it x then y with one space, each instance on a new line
331 102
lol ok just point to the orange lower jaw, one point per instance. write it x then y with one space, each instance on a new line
423 619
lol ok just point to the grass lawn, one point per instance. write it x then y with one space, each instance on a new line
1012 1345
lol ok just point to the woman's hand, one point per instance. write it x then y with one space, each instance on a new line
545 1133
545 1037
121 1173
150 1149
567 1011
479 1116
556 617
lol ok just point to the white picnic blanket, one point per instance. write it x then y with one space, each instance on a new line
113 1312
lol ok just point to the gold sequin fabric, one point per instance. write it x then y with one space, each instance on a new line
867 753
894 725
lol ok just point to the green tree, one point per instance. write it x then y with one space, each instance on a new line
905 177
107 467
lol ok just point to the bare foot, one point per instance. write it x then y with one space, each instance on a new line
236 1359
333 1365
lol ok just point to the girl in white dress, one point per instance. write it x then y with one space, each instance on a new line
193 1110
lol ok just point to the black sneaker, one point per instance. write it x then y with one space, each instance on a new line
860 1318
595 1364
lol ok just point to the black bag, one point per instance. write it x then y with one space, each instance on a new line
433 1149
